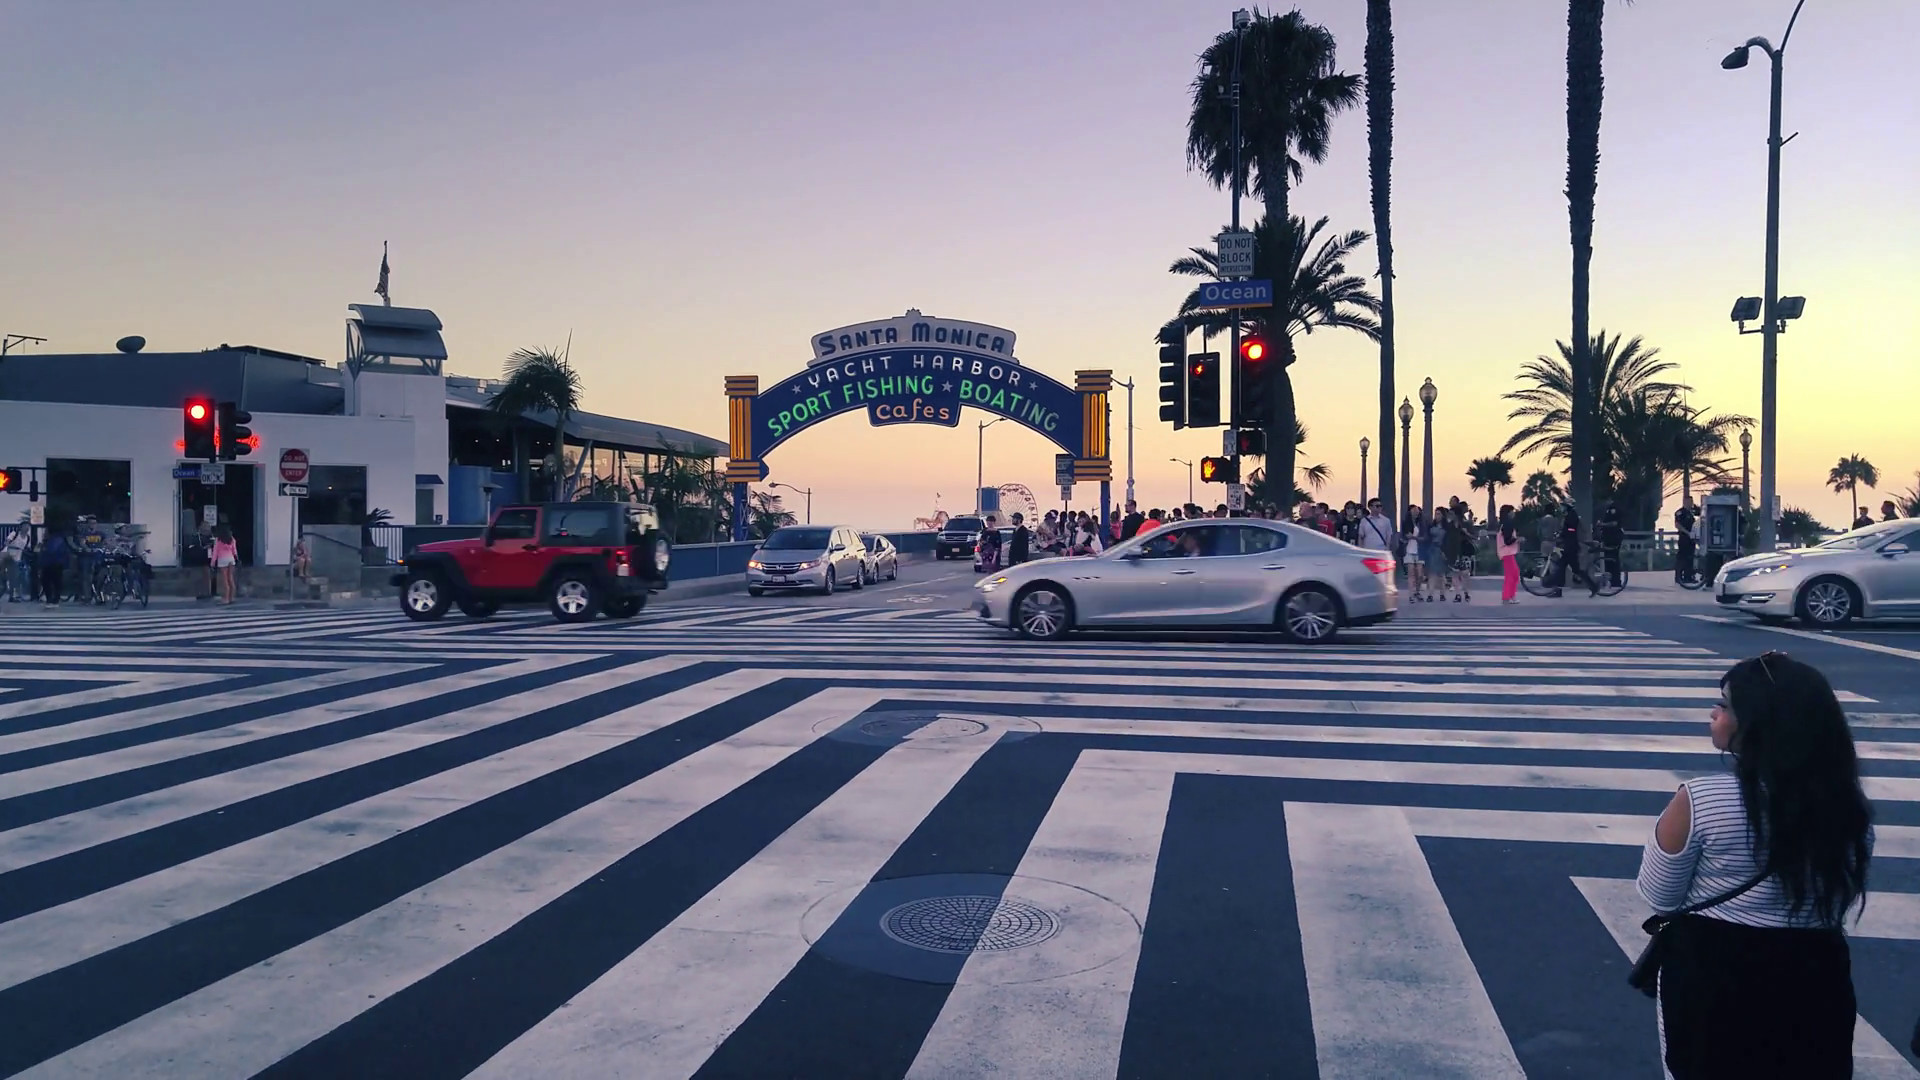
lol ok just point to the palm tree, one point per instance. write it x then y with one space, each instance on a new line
1289 94
1585 90
1852 471
1548 403
1908 501
693 500
1321 294
1798 527
767 513
1650 435
540 380
1379 67
1542 489
1490 474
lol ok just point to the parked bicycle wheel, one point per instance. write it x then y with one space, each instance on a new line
109 584
1693 579
1607 584
1534 567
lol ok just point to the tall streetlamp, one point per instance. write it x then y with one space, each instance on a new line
1365 445
1769 312
980 466
808 492
1406 470
1242 18
1429 393
1746 450
1189 465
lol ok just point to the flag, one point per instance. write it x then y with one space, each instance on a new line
380 290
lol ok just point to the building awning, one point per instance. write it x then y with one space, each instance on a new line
427 479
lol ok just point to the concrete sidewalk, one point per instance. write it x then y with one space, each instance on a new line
1654 595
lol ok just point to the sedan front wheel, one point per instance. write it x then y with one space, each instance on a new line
1042 613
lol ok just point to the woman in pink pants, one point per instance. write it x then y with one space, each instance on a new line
1507 543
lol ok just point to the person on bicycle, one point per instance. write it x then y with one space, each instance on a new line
1569 556
1684 519
1611 537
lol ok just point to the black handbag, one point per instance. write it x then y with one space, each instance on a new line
1645 976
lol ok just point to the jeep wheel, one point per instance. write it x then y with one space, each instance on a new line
478 609
423 597
626 607
574 599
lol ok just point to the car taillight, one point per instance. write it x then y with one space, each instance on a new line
622 567
1378 565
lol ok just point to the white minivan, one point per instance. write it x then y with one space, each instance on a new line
821 558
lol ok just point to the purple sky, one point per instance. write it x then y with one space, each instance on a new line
694 189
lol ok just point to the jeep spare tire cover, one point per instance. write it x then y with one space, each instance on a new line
656 554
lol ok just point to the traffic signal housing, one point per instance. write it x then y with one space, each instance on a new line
1173 376
1220 470
1250 442
1255 381
199 440
1203 390
234 439
10 482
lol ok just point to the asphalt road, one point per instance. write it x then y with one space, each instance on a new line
865 836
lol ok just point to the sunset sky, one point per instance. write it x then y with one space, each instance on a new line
693 189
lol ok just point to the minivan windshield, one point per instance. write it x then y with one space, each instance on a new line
964 524
802 539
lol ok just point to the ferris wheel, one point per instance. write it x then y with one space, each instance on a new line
1019 497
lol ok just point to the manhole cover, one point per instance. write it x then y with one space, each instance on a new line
969 924
922 726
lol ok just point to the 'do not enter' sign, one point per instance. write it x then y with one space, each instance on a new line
293 466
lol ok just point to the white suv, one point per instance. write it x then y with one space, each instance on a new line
817 557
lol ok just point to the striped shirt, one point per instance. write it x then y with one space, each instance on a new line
1717 858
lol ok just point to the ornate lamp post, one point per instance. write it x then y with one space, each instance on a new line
1366 444
1746 451
1406 471
1428 395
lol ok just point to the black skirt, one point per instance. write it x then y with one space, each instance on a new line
1752 1002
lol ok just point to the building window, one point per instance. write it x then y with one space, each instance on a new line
85 487
336 495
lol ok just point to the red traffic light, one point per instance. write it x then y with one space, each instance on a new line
1253 349
197 410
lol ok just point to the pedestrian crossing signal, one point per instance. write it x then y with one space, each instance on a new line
1220 470
9 481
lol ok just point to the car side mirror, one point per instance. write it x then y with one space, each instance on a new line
1894 549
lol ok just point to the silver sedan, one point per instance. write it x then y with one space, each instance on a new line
1242 573
1870 573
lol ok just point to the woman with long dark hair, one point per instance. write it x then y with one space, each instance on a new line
1772 857
1508 546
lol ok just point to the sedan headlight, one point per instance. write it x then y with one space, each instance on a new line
993 583
1774 569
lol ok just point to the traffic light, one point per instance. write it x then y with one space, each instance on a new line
10 482
198 443
1220 470
1173 376
234 439
1255 381
1203 390
1250 442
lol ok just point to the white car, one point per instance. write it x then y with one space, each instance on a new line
1242 573
1870 573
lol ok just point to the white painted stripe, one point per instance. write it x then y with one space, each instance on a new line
255 1017
131 719
1621 911
66 772
703 974
1577 741
1834 639
1059 1008
57 936
85 828
1392 989
27 674
149 683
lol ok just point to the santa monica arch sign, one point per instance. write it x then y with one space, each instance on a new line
915 369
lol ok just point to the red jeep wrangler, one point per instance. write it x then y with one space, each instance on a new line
582 558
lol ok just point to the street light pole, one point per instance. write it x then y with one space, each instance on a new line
1129 385
1769 314
808 492
1406 468
1428 395
1189 465
980 466
1365 445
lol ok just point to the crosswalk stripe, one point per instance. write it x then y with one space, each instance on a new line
1393 989
150 683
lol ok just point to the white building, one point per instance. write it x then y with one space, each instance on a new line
387 429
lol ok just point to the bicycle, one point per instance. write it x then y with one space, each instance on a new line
1536 570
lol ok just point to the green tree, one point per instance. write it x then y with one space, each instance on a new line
1290 93
1490 474
1852 471
1542 489
694 501
1909 500
1379 72
540 381
766 514
1798 527
1321 294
